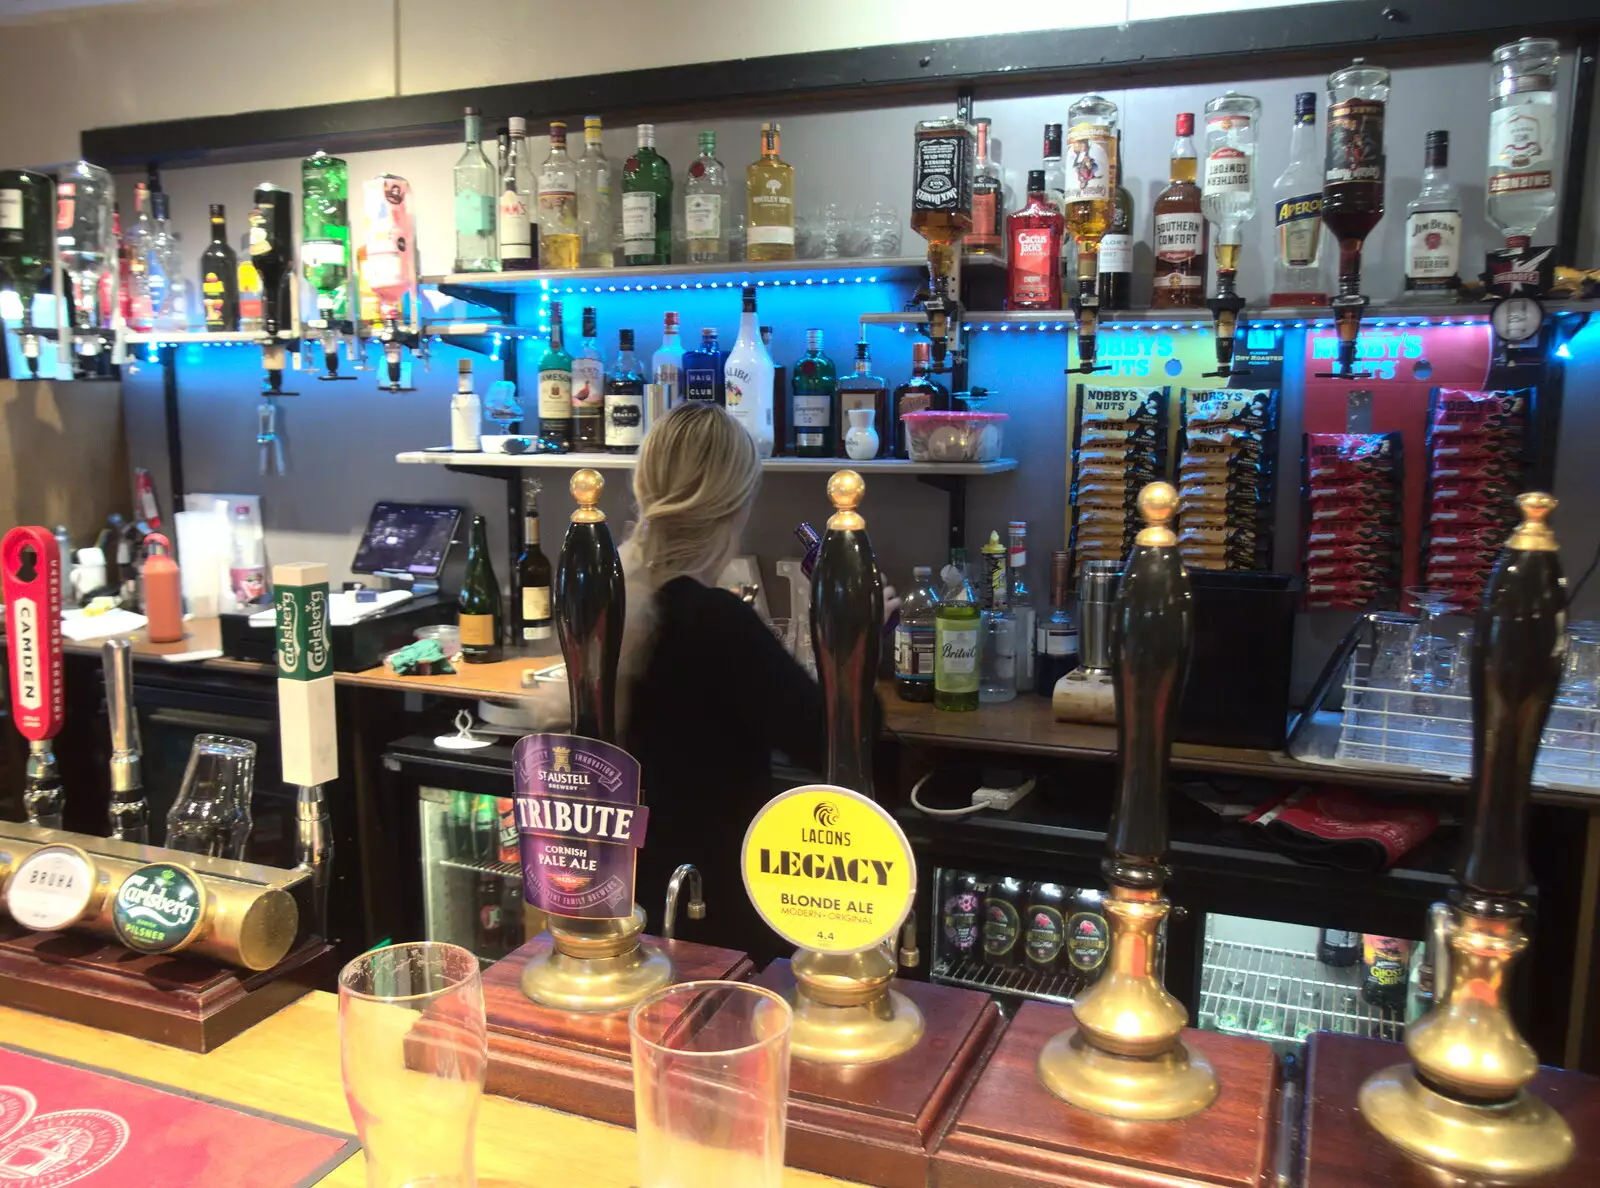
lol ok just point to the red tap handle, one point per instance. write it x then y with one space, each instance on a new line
30 571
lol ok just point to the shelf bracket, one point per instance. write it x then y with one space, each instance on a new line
504 304
955 488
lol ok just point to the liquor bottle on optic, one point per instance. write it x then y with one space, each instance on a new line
560 238
250 287
513 222
988 202
747 379
1297 212
1091 144
1116 245
769 223
705 205
1228 189
534 622
166 268
594 199
272 250
862 389
941 202
555 387
136 237
478 606
476 188
219 276
589 388
702 370
325 234
666 365
921 393
1521 191
84 242
624 399
646 203
1352 189
1180 274
27 222
815 388
1033 265
1433 226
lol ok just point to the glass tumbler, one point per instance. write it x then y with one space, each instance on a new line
413 1051
212 812
711 1085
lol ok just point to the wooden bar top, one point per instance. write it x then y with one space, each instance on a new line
289 1065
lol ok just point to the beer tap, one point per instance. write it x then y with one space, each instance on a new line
688 872
1462 1103
1124 1058
1228 200
30 570
130 813
389 266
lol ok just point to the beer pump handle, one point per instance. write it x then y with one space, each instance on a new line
846 632
590 606
130 812
30 574
1519 642
1152 624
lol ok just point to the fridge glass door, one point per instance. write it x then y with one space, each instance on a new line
471 872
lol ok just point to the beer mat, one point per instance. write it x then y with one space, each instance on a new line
62 1123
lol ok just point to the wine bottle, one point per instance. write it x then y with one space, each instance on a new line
479 602
590 604
533 575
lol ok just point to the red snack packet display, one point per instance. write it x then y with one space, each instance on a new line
1354 496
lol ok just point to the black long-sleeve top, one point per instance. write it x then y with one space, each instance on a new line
717 696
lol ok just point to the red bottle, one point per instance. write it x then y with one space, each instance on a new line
1033 237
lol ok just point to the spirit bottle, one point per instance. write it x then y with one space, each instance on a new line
862 389
1116 247
624 400
476 187
1055 190
272 249
988 202
1297 207
782 423
250 287
389 266
478 606
588 388
169 287
325 233
1523 139
941 197
466 413
1020 599
705 205
219 276
747 379
997 647
921 393
26 227
594 199
1180 230
955 645
646 203
1091 164
914 638
1353 174
136 244
513 225
1056 640
1033 271
769 225
555 387
815 392
702 370
1433 225
535 622
1228 191
560 238
666 365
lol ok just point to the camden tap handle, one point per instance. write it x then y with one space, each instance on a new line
1519 641
590 605
846 633
1152 624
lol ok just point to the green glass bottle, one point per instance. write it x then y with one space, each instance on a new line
955 646
646 203
479 603
814 411
325 237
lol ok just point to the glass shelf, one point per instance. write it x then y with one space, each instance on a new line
631 461
1378 314
676 277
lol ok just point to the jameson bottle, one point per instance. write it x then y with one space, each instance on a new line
589 388
478 605
555 387
534 622
219 276
325 233
815 392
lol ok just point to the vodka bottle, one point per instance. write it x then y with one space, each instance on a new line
666 365
84 242
1228 185
513 224
594 199
747 379
476 190
1523 140
1020 600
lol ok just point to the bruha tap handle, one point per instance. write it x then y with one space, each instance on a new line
590 606
130 813
1152 624
30 579
846 634
1518 645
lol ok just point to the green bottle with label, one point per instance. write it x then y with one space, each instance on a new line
955 632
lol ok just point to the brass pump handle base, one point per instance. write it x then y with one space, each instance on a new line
596 966
1516 1139
1174 1084
846 1010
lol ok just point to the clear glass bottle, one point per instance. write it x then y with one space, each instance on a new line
560 237
1228 186
588 388
476 188
1180 274
1055 192
988 201
705 205
862 389
170 303
747 379
624 402
666 365
815 390
1056 638
1297 214
594 199
769 232
1354 166
646 203
956 627
914 637
136 242
1091 145
1020 600
555 387
997 643
1433 225
513 226
1524 139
